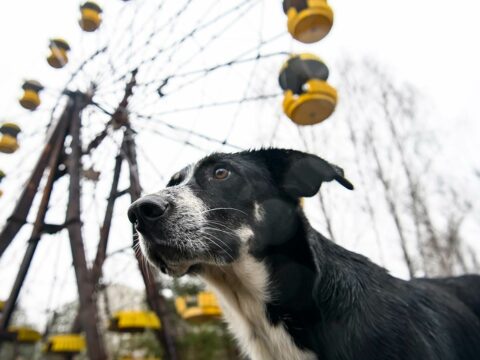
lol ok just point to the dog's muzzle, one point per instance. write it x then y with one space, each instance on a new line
153 217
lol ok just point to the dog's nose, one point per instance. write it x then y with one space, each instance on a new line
147 209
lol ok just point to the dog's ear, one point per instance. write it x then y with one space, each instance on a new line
300 174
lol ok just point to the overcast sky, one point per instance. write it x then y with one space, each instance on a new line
428 43
431 43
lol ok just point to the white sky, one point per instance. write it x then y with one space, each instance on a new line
428 43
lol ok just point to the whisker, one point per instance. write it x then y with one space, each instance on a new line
210 222
213 237
223 208
220 230
221 248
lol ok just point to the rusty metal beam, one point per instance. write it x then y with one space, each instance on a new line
24 203
96 271
107 223
167 334
118 119
88 308
54 160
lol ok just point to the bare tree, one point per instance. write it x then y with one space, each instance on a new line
393 154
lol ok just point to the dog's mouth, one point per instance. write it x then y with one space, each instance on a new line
170 258
180 248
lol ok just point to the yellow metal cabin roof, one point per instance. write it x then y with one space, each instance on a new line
24 334
32 85
60 43
134 320
199 308
11 125
92 6
65 344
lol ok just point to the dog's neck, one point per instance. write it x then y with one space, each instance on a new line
267 294
244 291
276 298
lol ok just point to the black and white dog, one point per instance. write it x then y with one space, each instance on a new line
287 292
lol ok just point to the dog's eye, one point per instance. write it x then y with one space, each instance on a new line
221 173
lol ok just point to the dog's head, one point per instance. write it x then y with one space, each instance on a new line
225 204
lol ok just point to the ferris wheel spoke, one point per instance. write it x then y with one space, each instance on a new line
239 59
126 51
217 35
205 71
238 107
71 78
150 67
127 31
123 56
175 139
188 131
150 162
211 105
190 34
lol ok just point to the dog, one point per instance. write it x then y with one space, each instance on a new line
287 292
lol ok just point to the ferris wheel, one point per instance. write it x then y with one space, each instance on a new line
139 88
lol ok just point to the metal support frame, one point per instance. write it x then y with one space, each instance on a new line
88 307
87 279
96 271
166 335
24 203
55 147
51 157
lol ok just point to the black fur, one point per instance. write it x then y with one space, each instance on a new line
332 302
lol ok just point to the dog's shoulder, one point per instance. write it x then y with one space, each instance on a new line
371 314
344 278
465 288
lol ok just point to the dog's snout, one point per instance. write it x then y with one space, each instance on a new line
147 209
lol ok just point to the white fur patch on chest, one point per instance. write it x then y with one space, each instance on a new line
242 291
